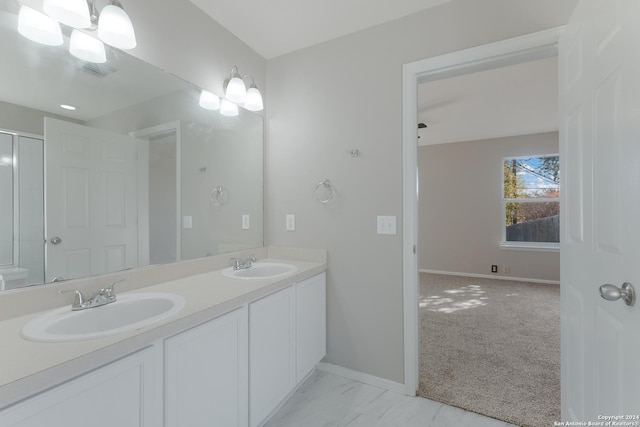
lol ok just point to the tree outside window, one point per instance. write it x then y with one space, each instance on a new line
531 199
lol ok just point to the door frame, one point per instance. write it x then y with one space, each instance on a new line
524 48
143 188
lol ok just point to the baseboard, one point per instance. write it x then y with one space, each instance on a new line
487 276
362 377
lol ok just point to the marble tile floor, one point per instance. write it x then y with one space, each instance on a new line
327 400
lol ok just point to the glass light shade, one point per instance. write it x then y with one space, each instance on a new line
115 28
209 101
254 99
228 108
236 90
87 48
38 27
74 13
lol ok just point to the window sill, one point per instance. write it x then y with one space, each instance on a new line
525 246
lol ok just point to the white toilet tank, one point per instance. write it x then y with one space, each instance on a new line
13 277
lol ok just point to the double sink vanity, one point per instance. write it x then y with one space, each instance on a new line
209 345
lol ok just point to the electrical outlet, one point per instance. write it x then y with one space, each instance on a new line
506 269
494 268
246 222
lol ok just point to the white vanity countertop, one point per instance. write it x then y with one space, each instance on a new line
27 367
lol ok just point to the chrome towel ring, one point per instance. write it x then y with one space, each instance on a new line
218 196
324 191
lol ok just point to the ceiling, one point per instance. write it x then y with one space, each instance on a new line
273 28
515 100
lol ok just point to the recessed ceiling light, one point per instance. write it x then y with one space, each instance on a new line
68 107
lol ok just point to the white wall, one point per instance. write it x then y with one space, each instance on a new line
460 208
347 93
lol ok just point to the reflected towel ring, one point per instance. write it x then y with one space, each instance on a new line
324 191
218 196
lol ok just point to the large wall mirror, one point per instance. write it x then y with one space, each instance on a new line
138 174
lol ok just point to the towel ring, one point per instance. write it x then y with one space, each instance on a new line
218 196
324 191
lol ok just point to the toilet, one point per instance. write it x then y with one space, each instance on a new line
13 277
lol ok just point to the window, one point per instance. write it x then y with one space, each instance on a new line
531 202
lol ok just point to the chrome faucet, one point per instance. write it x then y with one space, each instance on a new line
104 296
237 265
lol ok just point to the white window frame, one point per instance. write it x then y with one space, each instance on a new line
526 246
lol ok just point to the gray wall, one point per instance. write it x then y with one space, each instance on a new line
460 208
347 93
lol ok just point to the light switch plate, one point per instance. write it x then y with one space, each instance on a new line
187 221
387 225
246 222
291 222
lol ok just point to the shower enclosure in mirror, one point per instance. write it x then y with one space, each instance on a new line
137 174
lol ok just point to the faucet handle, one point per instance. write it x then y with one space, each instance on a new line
78 301
108 291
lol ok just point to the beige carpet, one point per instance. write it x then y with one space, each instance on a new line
491 347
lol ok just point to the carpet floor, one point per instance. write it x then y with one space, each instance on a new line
491 347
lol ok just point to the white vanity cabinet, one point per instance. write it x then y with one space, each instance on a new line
123 394
206 381
271 352
233 370
311 324
287 339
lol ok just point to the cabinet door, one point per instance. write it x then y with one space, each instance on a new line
120 394
311 324
206 375
272 352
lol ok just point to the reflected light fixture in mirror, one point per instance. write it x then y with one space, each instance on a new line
38 27
113 25
209 101
228 108
87 48
74 13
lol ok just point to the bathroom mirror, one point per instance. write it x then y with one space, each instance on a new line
173 180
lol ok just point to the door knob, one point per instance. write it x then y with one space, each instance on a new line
56 240
614 293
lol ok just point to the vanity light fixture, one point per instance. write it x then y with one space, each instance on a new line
228 108
74 13
87 48
236 91
115 28
253 101
38 27
209 101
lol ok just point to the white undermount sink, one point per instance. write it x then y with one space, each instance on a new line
127 313
261 270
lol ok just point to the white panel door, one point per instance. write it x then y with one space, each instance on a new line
311 324
207 374
600 151
90 200
120 394
271 353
